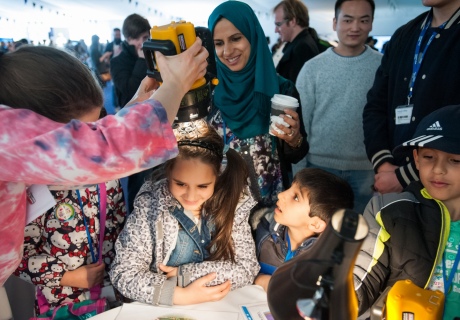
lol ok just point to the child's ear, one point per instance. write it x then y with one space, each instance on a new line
415 154
317 225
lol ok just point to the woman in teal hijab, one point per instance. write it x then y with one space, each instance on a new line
241 101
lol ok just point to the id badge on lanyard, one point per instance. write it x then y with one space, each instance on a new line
403 113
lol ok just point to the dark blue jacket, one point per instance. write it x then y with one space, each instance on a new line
271 244
436 86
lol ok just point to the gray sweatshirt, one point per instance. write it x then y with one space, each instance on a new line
333 92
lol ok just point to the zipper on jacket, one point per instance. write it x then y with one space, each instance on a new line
445 226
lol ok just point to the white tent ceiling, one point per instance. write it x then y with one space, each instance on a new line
109 13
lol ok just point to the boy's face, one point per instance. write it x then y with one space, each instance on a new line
139 41
293 208
440 175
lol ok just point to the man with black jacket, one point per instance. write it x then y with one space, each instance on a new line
292 23
404 92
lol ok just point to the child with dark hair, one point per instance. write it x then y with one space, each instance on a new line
301 215
127 70
44 87
68 248
129 67
188 239
415 235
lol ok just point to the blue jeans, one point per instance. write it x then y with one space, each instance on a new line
191 244
361 182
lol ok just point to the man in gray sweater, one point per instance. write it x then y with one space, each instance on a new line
333 88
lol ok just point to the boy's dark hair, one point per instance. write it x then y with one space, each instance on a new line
338 6
135 25
326 192
229 186
48 81
295 9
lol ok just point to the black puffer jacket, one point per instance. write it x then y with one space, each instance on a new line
407 233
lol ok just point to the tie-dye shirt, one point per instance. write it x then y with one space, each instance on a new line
36 150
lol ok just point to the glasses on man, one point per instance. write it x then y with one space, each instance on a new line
280 23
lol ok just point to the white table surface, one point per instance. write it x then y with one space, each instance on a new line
231 303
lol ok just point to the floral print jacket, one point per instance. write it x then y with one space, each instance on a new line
150 235
36 150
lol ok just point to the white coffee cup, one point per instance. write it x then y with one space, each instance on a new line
279 103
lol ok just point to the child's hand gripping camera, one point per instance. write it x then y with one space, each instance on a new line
172 39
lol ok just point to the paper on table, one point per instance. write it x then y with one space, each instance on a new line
131 311
256 311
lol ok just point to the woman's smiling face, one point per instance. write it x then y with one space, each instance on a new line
232 47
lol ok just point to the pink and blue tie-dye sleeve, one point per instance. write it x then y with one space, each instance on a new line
36 150
12 223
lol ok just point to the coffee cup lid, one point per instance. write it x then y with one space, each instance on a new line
284 100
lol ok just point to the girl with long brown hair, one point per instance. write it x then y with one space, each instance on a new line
188 239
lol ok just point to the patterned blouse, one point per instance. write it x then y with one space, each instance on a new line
261 155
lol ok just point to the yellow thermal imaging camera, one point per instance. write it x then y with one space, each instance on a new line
175 38
405 300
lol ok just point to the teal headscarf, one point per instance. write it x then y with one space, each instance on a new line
243 97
